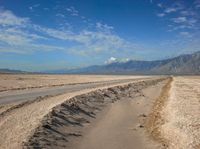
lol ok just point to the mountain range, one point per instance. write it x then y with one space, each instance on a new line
188 64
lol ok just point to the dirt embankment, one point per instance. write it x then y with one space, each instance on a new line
181 113
174 120
155 119
67 120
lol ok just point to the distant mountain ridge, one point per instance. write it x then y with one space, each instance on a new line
188 64
10 71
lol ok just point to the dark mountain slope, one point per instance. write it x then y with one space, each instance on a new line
184 64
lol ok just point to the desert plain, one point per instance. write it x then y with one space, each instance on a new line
99 111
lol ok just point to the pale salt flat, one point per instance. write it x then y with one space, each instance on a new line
181 114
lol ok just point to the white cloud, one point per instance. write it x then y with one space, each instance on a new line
197 4
111 60
46 9
11 50
184 33
170 10
160 5
114 60
15 36
92 41
187 13
82 37
104 27
184 23
124 60
192 21
183 17
31 8
161 14
60 15
175 7
13 39
12 35
179 20
73 11
8 18
17 32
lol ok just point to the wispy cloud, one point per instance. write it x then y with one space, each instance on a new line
60 15
197 4
31 8
88 42
179 20
114 60
73 11
187 13
46 9
15 36
170 10
183 17
104 27
111 60
160 5
182 22
161 14
8 18
185 34
13 29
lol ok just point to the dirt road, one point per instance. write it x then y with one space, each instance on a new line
121 127
12 96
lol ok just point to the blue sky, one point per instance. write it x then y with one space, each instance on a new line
40 35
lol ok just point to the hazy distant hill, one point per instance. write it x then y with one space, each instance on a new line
9 71
184 64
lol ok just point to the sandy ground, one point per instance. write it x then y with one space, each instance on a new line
19 122
182 114
111 119
135 115
121 127
16 82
